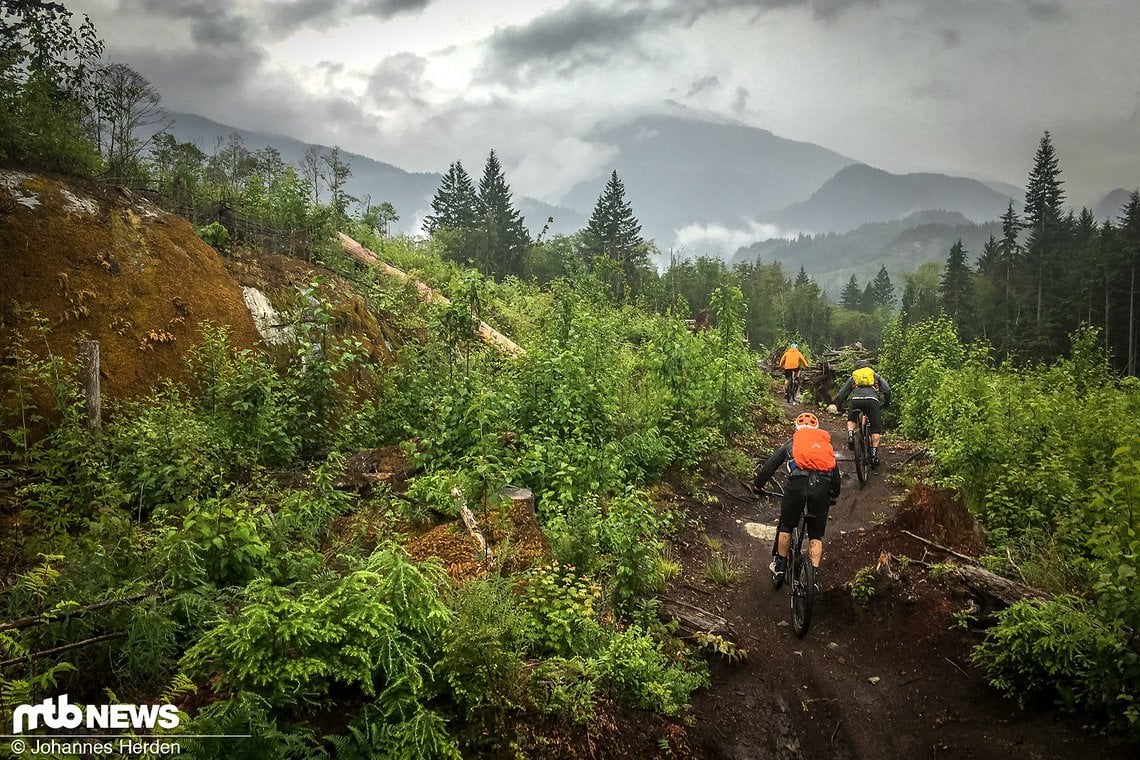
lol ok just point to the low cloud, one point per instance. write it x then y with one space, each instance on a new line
698 239
551 173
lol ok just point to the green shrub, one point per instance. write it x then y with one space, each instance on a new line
638 671
1057 652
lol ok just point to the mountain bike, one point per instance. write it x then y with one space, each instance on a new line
793 387
863 448
801 574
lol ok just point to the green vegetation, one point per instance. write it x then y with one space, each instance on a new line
205 569
1045 458
202 546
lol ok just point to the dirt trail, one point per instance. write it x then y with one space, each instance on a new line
886 679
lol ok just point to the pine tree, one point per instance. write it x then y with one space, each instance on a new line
455 205
504 238
1043 200
613 232
956 290
882 291
1130 237
852 296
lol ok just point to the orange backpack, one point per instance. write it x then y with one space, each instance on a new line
811 448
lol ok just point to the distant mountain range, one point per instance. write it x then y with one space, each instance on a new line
680 170
901 246
860 194
1112 207
683 170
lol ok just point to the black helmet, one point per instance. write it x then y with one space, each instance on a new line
862 364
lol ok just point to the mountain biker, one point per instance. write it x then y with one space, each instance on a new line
813 480
864 387
791 362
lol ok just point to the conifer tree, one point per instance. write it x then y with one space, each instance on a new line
455 205
882 291
1130 238
503 238
852 295
614 233
1043 201
956 290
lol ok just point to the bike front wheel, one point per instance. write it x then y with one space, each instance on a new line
802 594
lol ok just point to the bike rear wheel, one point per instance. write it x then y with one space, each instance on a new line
802 593
862 466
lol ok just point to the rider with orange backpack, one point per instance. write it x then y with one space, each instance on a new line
813 481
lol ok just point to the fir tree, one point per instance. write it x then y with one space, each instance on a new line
613 232
956 288
882 291
1130 238
852 296
1043 200
455 206
504 239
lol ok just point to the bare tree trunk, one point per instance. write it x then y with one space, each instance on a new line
88 352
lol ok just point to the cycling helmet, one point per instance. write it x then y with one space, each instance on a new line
795 345
862 364
806 419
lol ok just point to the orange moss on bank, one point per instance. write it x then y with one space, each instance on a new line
99 263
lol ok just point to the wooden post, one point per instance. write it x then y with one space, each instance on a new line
88 353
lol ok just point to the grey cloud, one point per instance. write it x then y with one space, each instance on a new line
936 88
702 84
951 38
212 22
740 102
565 40
1045 10
397 79
283 16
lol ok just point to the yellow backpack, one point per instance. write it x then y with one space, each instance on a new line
865 376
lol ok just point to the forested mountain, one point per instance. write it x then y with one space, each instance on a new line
860 194
1111 207
900 246
683 169
409 192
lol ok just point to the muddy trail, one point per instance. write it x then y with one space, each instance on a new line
885 678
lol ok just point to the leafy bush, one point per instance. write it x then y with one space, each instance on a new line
564 615
1058 652
635 666
373 628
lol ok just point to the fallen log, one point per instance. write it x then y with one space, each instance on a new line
693 619
995 587
487 334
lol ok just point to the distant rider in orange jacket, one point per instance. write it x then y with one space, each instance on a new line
791 362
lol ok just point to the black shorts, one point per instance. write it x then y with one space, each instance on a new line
789 372
814 490
869 405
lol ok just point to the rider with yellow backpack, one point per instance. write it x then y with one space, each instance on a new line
864 387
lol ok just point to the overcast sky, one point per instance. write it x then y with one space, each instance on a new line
956 86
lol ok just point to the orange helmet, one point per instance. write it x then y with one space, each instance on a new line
807 419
